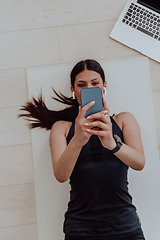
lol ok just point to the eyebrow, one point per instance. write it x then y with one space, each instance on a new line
84 80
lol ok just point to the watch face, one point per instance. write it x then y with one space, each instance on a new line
117 138
119 144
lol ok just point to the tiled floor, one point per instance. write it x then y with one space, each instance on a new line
40 33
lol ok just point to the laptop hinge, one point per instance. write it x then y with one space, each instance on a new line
148 6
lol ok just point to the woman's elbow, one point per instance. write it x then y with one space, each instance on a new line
140 166
60 178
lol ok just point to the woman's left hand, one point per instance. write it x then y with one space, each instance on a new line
100 124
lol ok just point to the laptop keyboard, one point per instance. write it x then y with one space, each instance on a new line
143 20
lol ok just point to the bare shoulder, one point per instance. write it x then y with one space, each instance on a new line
124 119
60 128
61 124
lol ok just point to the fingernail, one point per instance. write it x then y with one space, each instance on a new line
88 130
105 111
85 124
88 117
92 102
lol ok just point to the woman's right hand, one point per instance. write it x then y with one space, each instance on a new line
81 135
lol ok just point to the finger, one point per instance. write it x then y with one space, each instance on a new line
98 124
99 133
83 110
102 116
105 104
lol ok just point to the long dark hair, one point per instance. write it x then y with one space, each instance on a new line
40 116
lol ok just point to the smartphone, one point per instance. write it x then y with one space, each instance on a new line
89 95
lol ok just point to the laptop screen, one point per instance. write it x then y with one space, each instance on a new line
153 4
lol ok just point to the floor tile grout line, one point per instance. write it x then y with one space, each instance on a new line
59 49
12 226
26 67
17 106
26 83
18 184
58 26
15 145
69 62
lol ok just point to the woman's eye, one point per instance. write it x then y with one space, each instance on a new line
95 83
80 85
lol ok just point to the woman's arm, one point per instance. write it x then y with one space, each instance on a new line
131 152
65 156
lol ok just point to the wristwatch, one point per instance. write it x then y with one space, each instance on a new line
119 144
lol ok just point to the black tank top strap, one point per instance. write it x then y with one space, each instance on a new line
71 132
116 129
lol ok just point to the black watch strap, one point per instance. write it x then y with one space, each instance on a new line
119 144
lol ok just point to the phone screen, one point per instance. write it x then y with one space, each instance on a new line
89 95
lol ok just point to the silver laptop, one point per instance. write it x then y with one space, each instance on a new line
138 27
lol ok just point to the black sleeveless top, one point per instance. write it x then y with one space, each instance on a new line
100 204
